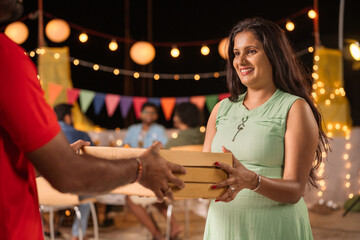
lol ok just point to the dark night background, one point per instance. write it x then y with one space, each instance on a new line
183 21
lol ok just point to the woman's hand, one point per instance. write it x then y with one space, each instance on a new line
239 178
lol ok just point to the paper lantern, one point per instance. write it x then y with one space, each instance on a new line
57 30
17 31
142 52
223 48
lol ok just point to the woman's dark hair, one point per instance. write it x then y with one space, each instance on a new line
149 104
188 113
288 73
61 110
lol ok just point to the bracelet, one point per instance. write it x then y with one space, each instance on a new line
259 182
139 171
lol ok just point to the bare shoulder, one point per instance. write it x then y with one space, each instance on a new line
301 116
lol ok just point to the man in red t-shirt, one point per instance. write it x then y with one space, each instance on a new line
30 136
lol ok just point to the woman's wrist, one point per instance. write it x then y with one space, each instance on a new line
256 182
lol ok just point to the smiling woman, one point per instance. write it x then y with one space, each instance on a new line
271 124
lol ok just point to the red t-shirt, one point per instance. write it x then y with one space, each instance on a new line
26 124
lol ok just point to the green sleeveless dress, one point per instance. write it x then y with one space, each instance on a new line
259 146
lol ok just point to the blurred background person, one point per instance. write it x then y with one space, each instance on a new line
187 120
65 119
144 134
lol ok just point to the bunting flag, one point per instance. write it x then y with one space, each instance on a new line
199 101
111 101
154 100
99 101
223 96
86 97
138 102
72 95
125 104
180 100
54 91
211 101
168 104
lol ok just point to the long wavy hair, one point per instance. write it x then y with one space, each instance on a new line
289 74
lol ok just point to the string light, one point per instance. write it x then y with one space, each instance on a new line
32 54
56 55
174 135
136 75
310 49
96 67
202 129
197 77
116 71
290 26
113 46
83 37
312 14
175 52
205 50
76 62
156 76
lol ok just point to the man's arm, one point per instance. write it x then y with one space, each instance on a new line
84 174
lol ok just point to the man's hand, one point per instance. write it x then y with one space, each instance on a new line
158 173
76 146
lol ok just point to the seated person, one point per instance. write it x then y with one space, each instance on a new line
144 134
187 120
65 119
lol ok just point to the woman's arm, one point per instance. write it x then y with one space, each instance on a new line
211 129
301 140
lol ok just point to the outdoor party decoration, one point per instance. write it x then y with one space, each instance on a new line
57 30
223 48
168 104
142 52
17 31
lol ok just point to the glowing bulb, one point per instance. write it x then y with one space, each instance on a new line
174 135
355 51
324 154
314 86
56 55
310 49
320 83
320 194
32 54
176 77
322 183
315 67
345 128
136 75
175 52
337 126
113 45
312 14
329 134
315 76
348 146
205 50
202 129
347 176
197 77
67 213
216 75
119 142
83 37
346 156
330 126
96 67
116 71
317 58
347 184
76 62
332 96
322 91
327 102
351 195
156 76
348 165
290 26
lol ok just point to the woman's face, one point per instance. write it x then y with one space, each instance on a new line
250 62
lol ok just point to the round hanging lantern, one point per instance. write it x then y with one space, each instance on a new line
223 48
142 52
17 31
57 30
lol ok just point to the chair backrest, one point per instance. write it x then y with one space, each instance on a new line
198 148
51 197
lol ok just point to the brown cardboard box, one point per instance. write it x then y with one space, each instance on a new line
201 172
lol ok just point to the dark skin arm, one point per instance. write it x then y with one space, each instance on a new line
84 174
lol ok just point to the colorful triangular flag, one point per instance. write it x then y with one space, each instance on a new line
54 91
125 104
111 101
199 101
182 100
72 95
154 100
98 102
168 104
138 102
86 97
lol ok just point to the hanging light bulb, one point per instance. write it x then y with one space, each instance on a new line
355 51
312 14
205 50
113 45
290 26
83 37
175 52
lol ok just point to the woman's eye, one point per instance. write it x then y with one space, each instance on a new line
251 51
236 53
